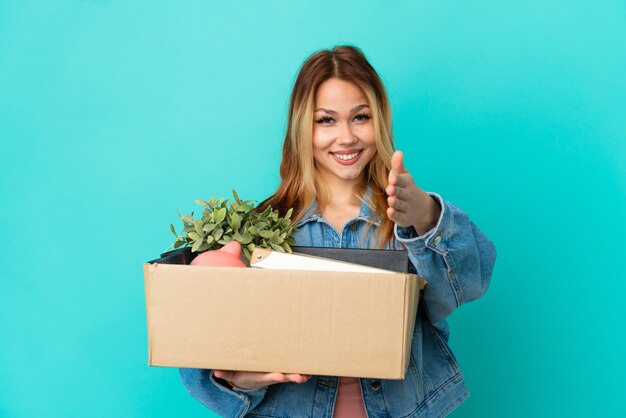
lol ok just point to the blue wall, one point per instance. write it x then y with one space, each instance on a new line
114 114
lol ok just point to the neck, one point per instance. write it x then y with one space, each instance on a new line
341 192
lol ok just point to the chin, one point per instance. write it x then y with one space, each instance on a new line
351 176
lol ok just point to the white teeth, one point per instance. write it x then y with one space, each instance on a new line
346 157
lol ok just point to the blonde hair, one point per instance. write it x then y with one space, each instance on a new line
300 183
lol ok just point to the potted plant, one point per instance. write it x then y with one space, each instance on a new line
223 221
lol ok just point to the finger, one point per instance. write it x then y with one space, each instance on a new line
405 180
297 378
396 216
399 193
390 190
223 374
400 205
392 177
397 163
274 378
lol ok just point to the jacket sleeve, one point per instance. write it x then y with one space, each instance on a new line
454 257
203 385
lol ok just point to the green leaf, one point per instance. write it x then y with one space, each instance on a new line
220 215
235 221
194 236
196 246
277 248
246 238
208 227
198 227
173 231
202 202
288 214
187 219
217 234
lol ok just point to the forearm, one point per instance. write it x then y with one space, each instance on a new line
454 257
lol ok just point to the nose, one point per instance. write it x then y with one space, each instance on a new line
346 135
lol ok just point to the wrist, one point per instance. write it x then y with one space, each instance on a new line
434 211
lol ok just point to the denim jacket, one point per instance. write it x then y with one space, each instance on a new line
454 257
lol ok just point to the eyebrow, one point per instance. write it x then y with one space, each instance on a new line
332 112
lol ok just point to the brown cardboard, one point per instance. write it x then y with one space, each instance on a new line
290 321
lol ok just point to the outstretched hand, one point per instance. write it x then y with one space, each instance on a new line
408 204
255 380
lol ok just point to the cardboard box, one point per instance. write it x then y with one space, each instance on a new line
291 321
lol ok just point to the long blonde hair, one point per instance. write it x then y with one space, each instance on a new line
300 183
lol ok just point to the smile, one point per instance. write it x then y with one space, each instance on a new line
347 158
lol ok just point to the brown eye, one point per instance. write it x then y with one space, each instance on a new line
324 120
362 117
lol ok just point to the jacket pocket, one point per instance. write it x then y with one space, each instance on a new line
403 397
439 363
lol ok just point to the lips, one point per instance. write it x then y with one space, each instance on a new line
348 157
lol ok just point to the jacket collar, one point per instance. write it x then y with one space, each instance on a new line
366 213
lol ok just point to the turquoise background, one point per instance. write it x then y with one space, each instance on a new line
115 114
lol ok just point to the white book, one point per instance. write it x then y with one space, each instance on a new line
269 259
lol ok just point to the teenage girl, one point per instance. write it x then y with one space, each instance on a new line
349 188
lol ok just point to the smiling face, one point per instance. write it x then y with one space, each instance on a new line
344 138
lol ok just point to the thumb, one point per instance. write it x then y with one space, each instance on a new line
397 162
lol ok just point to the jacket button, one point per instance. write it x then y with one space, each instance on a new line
437 240
375 384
